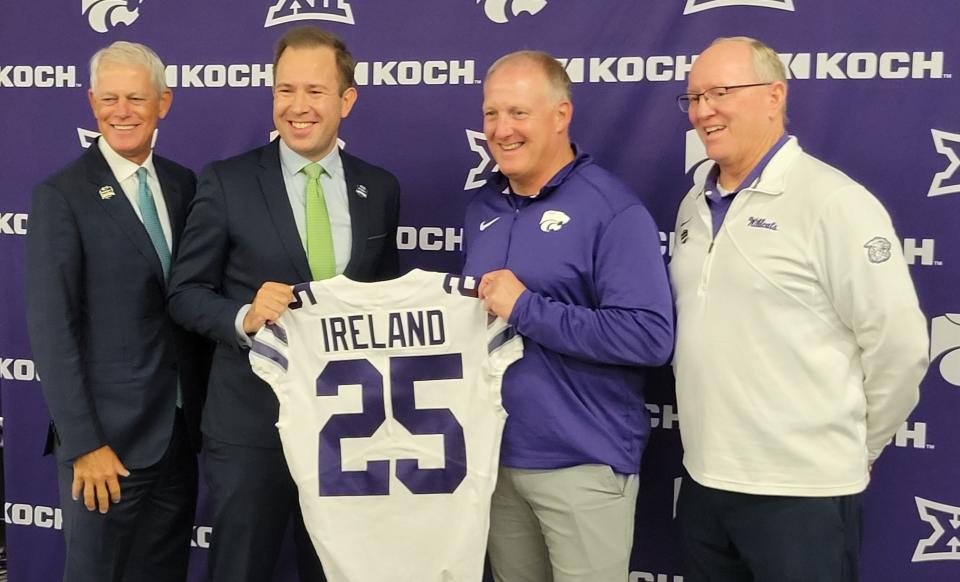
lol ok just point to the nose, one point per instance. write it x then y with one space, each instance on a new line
502 128
702 109
299 103
123 107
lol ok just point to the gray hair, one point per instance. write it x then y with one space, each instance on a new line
766 64
551 67
133 54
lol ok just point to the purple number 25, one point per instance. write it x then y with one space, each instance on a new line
404 372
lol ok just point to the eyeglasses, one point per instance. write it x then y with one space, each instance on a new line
715 94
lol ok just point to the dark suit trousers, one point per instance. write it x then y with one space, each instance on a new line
145 537
736 537
254 498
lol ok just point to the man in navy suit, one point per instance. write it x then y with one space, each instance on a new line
253 231
124 385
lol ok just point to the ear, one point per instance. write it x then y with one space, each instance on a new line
778 96
166 100
564 115
93 101
347 100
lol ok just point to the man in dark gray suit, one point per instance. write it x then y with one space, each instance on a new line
297 209
124 384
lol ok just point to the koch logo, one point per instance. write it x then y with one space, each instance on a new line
294 10
201 536
912 435
627 69
667 240
663 416
944 542
87 137
496 10
105 15
920 252
217 75
863 65
35 515
16 369
13 223
429 238
947 181
415 73
945 341
477 142
25 76
701 5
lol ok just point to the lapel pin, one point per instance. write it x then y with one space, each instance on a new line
106 192
361 191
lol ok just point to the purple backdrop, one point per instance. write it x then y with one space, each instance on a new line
872 92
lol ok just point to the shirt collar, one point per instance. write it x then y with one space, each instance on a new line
293 162
580 158
711 189
121 167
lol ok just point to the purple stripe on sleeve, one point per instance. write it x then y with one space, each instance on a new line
263 350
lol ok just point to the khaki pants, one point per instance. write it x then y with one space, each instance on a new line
562 525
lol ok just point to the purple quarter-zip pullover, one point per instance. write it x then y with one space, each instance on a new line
596 314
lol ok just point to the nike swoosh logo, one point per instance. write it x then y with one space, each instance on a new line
487 224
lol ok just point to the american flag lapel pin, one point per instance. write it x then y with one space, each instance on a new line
361 191
106 192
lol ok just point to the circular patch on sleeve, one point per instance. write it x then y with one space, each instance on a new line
878 249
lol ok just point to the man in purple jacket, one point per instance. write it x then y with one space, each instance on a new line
568 255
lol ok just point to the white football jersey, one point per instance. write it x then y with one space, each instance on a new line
390 419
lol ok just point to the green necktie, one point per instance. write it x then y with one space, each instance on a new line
323 263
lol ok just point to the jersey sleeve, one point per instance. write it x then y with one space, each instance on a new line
504 345
270 353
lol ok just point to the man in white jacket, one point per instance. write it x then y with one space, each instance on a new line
800 342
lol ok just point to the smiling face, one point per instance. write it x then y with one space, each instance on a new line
307 104
739 128
526 123
127 108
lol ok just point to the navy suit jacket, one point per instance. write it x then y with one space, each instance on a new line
240 234
109 356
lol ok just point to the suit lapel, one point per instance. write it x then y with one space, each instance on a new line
358 205
278 204
173 198
118 207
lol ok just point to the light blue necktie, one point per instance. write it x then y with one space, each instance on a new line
151 222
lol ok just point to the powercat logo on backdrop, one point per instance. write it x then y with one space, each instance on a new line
944 542
496 10
701 5
105 15
294 10
945 342
947 181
